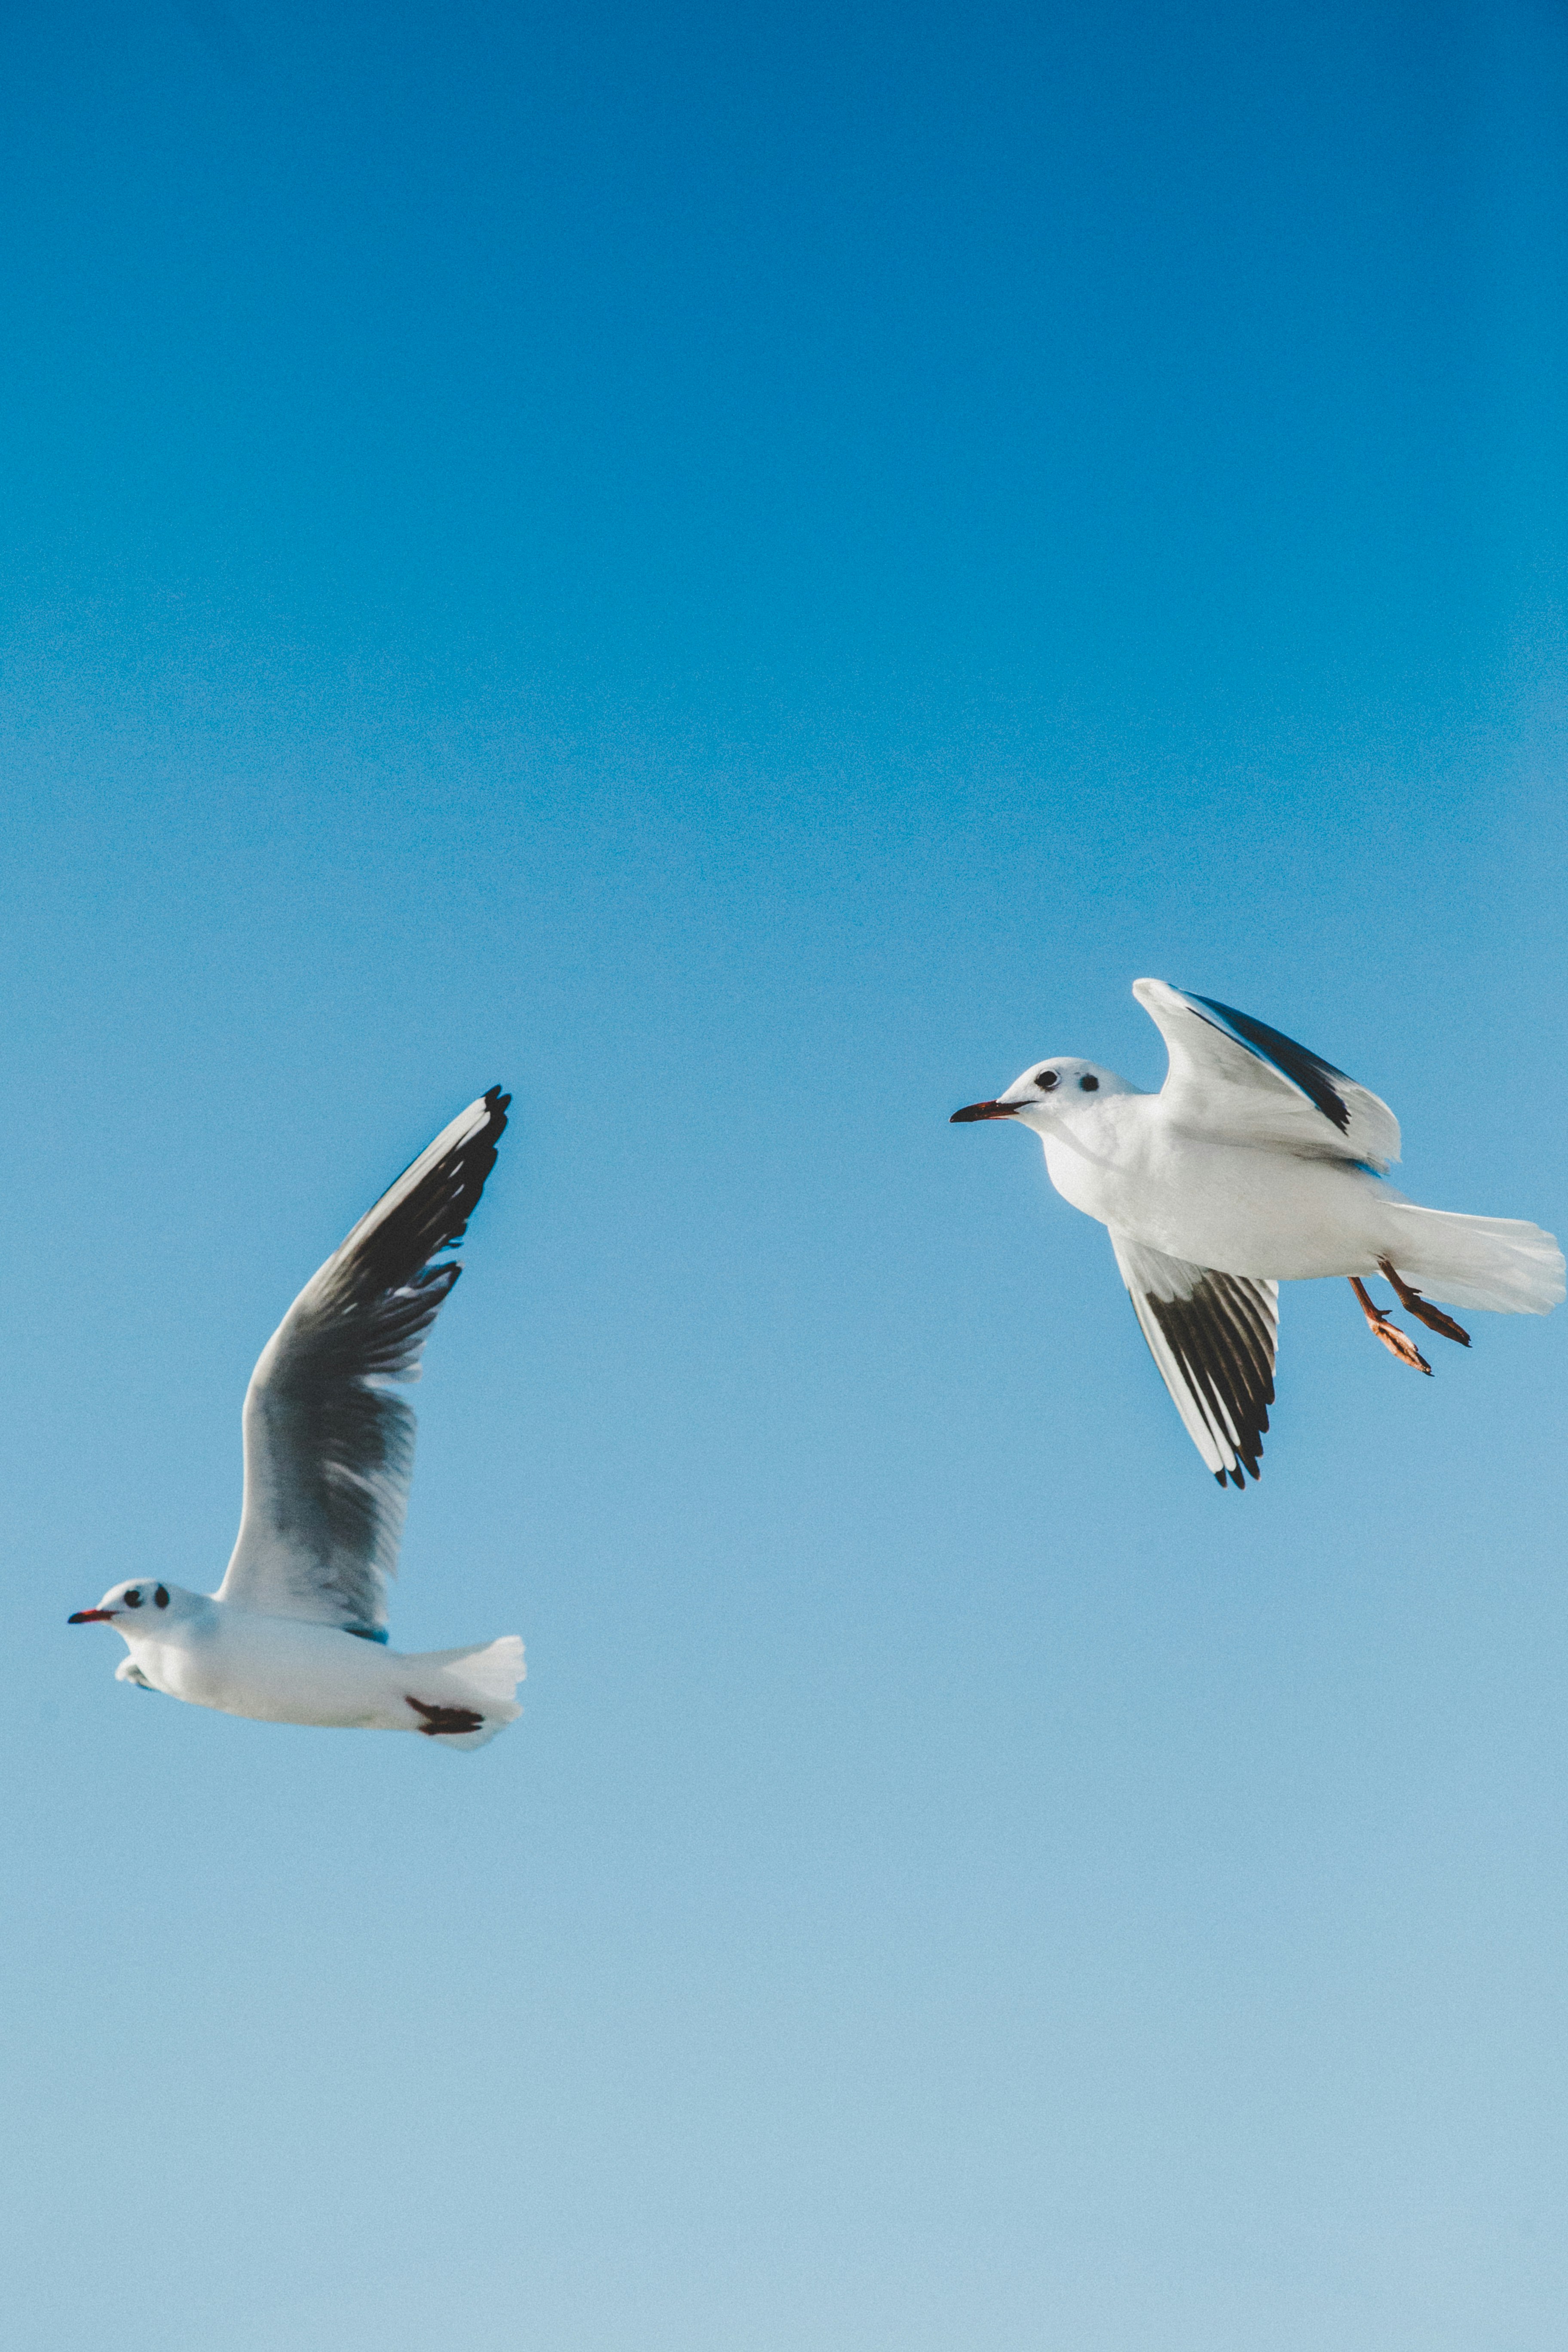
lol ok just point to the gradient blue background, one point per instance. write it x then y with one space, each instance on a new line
743 572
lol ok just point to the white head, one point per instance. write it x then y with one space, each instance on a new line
1050 1094
140 1605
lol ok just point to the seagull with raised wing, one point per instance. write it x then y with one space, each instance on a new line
1257 1163
297 1631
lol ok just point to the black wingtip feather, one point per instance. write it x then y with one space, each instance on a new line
1226 1354
1307 1070
399 1251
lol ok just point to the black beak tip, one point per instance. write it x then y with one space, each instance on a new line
973 1111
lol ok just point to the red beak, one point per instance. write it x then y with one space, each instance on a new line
982 1110
91 1617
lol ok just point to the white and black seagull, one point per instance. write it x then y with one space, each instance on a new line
1257 1163
297 1631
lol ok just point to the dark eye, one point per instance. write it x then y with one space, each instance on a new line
162 1596
133 1599
1089 1086
1048 1079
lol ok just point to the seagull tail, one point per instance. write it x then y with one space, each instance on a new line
1497 1262
450 1687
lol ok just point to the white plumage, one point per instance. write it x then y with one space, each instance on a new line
297 1631
1257 1163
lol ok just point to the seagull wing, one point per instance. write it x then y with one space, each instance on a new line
329 1444
1236 1077
1214 1337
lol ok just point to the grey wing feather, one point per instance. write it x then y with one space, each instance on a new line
1214 1338
329 1443
1233 1076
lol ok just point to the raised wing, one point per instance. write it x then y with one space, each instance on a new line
1234 1077
1214 1337
329 1444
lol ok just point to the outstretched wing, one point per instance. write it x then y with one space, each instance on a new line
1214 1337
329 1445
1233 1076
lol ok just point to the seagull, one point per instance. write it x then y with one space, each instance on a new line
297 1631
1257 1163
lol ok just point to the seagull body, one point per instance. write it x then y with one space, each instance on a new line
297 1631
285 1670
1225 1205
1257 1163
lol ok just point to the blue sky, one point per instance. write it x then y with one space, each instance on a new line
744 573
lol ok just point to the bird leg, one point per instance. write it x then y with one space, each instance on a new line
1396 1342
439 1719
1414 1304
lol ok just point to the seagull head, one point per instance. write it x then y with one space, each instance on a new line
1047 1093
139 1603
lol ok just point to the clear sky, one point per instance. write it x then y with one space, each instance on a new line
744 572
